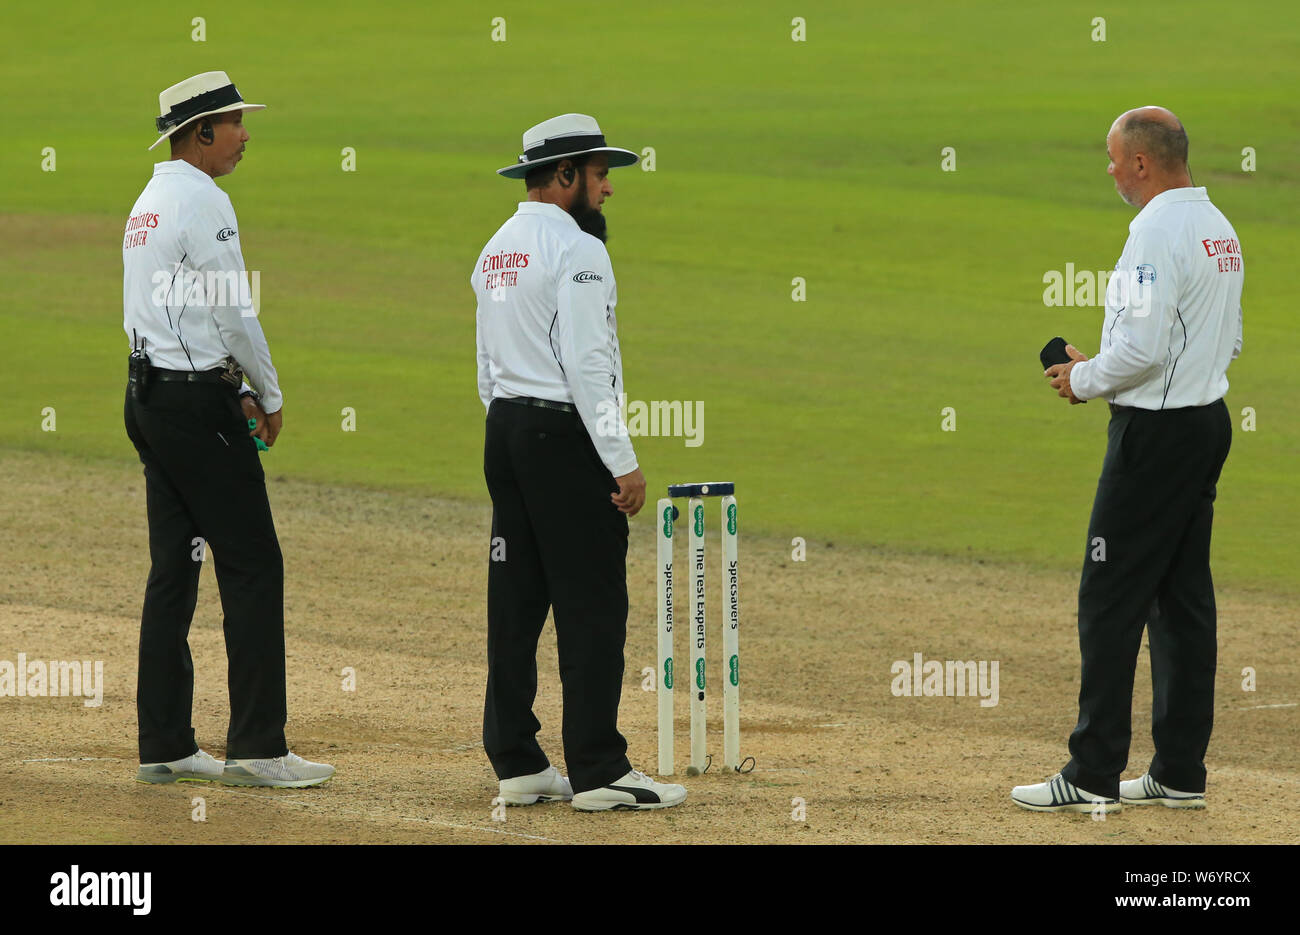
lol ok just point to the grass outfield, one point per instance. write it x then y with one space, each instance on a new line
775 159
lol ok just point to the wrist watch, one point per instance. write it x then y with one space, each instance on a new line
257 397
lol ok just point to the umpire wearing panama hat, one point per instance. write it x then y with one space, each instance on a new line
195 336
205 95
561 472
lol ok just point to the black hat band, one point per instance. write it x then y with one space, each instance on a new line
199 104
562 145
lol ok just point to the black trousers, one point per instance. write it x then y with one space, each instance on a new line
1152 514
203 480
565 547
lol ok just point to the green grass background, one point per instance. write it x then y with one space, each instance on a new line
775 159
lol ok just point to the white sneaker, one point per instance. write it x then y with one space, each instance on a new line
1057 795
199 767
633 792
286 772
1146 791
546 786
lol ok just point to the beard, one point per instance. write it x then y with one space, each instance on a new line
589 219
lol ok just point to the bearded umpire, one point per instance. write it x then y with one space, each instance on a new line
194 334
1173 325
550 375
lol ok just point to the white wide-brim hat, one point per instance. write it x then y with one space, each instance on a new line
209 93
564 137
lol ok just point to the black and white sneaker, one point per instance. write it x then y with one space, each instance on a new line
633 792
1057 795
1146 791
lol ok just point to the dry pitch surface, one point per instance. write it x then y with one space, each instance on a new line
393 586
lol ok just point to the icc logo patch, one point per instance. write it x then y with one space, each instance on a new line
1146 274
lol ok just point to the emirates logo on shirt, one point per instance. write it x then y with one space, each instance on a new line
587 276
144 219
226 233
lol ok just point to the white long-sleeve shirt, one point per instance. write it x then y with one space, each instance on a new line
1173 309
184 286
546 326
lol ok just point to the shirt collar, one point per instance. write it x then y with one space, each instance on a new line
1169 196
181 167
545 208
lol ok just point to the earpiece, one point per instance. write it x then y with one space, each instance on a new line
205 132
568 174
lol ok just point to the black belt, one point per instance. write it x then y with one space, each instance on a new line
1114 409
539 403
187 376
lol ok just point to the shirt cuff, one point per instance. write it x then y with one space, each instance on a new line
619 470
1079 380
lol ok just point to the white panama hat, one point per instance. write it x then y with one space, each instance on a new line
564 137
209 93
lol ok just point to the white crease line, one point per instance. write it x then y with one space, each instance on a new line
448 824
278 801
463 747
1258 707
372 815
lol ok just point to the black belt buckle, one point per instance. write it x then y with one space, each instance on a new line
137 376
232 375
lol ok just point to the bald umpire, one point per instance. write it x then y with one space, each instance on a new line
1173 324
562 485
194 334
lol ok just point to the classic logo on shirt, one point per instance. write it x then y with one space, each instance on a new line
587 276
1146 273
226 233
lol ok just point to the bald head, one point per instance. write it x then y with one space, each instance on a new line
1157 133
1148 154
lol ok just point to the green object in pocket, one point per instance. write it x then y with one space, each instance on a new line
261 445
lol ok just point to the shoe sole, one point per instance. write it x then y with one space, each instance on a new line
156 780
1106 807
624 806
255 781
518 798
1167 802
